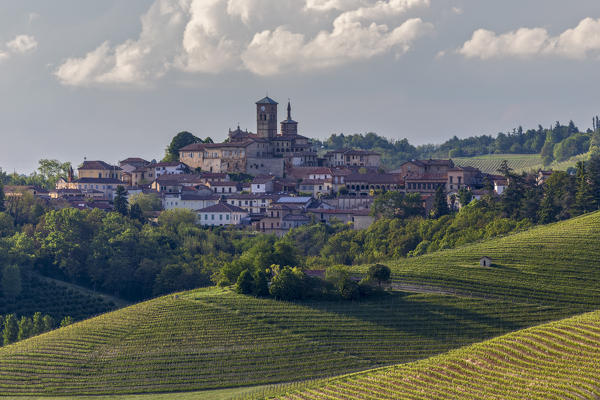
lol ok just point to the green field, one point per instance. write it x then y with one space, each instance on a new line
214 339
559 360
518 162
554 264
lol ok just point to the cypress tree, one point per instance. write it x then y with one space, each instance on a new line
38 324
25 328
48 323
584 198
120 201
245 283
11 329
66 321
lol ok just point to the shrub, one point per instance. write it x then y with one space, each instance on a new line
245 283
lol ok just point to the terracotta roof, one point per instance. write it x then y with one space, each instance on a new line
134 160
167 164
375 178
99 181
222 207
98 165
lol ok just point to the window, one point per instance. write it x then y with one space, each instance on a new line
227 217
212 217
206 217
220 217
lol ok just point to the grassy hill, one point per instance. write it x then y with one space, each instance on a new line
212 338
56 299
558 360
554 264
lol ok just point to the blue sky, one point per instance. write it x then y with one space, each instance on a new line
112 79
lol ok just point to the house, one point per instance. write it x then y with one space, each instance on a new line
485 261
221 214
255 203
224 187
105 185
500 184
354 158
422 167
169 168
316 187
362 184
190 198
463 177
262 184
175 183
99 170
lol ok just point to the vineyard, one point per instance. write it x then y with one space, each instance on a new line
554 264
211 338
559 360
47 297
491 163
215 340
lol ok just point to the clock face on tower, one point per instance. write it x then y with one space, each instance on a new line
262 108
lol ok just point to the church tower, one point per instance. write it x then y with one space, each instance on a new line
289 126
266 118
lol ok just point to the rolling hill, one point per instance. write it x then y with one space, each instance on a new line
212 338
518 162
558 360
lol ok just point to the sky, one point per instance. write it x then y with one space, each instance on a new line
113 79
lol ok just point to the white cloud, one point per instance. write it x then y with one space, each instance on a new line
22 44
4 56
578 43
213 36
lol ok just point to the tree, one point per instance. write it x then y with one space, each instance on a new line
379 272
440 203
11 281
11 329
180 140
593 170
48 323
25 328
66 321
120 201
288 284
147 202
52 170
245 283
38 324
584 198
261 284
394 204
465 196
135 212
2 206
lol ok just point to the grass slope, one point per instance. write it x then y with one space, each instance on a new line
518 162
54 298
211 338
556 264
558 360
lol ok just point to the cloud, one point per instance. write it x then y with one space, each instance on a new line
22 44
457 10
581 42
4 56
215 36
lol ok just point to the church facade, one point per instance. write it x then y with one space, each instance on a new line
265 152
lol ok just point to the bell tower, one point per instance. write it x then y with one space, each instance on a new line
266 118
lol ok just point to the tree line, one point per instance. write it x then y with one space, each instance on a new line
15 329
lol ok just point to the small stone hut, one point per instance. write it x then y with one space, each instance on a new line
485 261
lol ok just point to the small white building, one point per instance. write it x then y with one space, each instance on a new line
224 187
262 184
168 168
221 214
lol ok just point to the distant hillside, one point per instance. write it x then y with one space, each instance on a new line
549 264
518 162
558 360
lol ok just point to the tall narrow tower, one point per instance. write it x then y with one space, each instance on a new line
266 118
289 126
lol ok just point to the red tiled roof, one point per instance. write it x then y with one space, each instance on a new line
222 207
98 165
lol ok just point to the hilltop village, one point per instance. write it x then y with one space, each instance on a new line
271 181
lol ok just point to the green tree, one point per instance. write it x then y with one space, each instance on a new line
48 323
38 324
180 140
394 204
440 203
11 329
135 212
379 272
66 321
11 281
120 200
584 198
465 196
146 201
52 170
288 284
261 284
2 206
25 328
245 283
593 170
